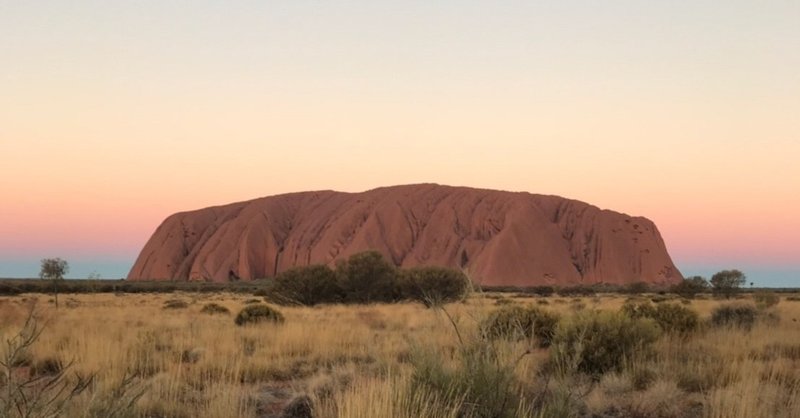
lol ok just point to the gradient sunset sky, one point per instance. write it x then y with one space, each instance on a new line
114 115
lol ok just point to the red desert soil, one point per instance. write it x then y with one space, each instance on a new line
499 237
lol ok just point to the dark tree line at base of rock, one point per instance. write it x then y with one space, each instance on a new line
366 278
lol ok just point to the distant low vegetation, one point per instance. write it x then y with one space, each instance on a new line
368 278
691 286
67 286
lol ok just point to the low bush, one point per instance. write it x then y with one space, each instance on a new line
309 285
734 315
214 308
670 317
176 304
433 286
518 322
599 342
253 314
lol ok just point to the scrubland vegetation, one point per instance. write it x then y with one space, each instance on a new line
365 339
608 355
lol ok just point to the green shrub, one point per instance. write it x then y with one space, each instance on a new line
670 317
734 315
367 277
675 318
599 342
518 322
309 285
252 314
433 286
766 299
214 308
175 304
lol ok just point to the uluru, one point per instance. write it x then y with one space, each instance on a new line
500 238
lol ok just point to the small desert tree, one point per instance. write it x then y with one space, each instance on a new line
306 285
691 286
54 269
432 285
727 282
367 277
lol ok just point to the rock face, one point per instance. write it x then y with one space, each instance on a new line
500 238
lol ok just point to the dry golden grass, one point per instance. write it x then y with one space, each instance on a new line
353 360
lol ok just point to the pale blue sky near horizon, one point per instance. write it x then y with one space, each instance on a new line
760 276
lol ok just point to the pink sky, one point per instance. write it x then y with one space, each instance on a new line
114 116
